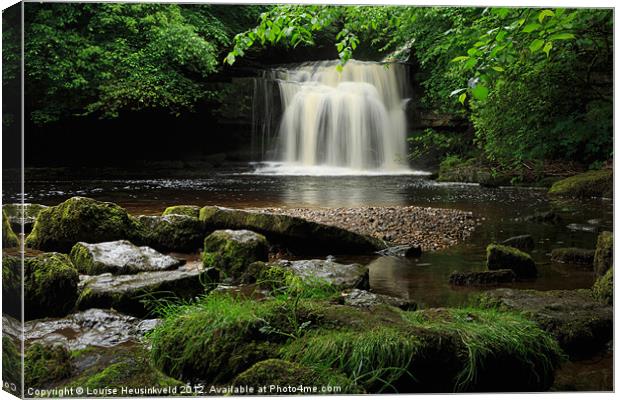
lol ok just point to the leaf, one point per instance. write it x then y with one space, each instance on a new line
460 58
547 48
462 98
470 63
536 45
457 91
480 92
562 36
531 27
543 14
498 68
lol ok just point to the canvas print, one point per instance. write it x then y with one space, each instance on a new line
281 199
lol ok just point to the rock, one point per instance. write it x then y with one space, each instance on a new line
233 251
604 255
586 185
581 324
482 278
30 213
342 276
573 255
11 364
189 211
366 299
521 242
603 289
127 293
80 219
172 232
119 257
45 364
9 238
402 251
298 234
50 285
548 217
505 257
582 227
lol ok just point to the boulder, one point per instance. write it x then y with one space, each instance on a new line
603 289
131 294
30 213
80 219
300 235
50 285
172 232
582 325
189 211
505 257
547 217
365 299
604 254
521 242
583 227
573 255
11 365
402 251
9 238
44 365
589 184
341 276
119 257
233 251
482 278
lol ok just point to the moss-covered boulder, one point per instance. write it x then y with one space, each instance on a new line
11 365
589 184
279 377
22 215
172 232
340 276
80 219
9 238
505 257
233 251
604 255
50 285
189 211
119 257
45 364
603 288
573 255
366 299
300 235
482 278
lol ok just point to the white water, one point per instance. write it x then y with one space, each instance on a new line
349 122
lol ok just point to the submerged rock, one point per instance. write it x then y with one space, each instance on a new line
604 255
342 276
30 213
581 324
119 257
366 299
171 232
402 251
482 278
189 211
298 234
548 217
129 293
232 252
505 257
582 227
573 255
9 238
589 184
521 242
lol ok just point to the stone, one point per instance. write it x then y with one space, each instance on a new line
342 276
189 211
232 251
171 232
482 278
365 299
505 257
582 227
9 238
573 255
119 258
603 289
402 251
548 217
604 254
521 242
30 213
589 184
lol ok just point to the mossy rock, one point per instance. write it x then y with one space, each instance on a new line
189 211
172 232
50 286
603 288
80 219
505 257
45 364
274 374
604 255
22 215
232 252
9 238
589 184
573 255
11 365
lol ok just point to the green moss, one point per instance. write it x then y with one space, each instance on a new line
190 211
172 232
573 255
589 184
80 219
80 256
505 257
603 288
11 285
45 364
233 251
604 255
11 363
9 238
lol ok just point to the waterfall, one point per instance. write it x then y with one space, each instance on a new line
340 122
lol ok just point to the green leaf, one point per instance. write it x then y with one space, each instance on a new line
547 48
531 27
543 14
470 63
536 45
562 36
480 92
462 98
498 68
460 58
457 91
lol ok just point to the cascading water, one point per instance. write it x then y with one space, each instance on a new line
340 122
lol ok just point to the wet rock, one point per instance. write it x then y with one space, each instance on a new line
604 255
586 185
300 235
582 227
50 285
548 217
233 251
482 278
189 211
171 232
16 219
366 299
521 242
603 289
80 219
128 293
573 255
342 276
505 257
119 257
9 238
581 324
402 251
